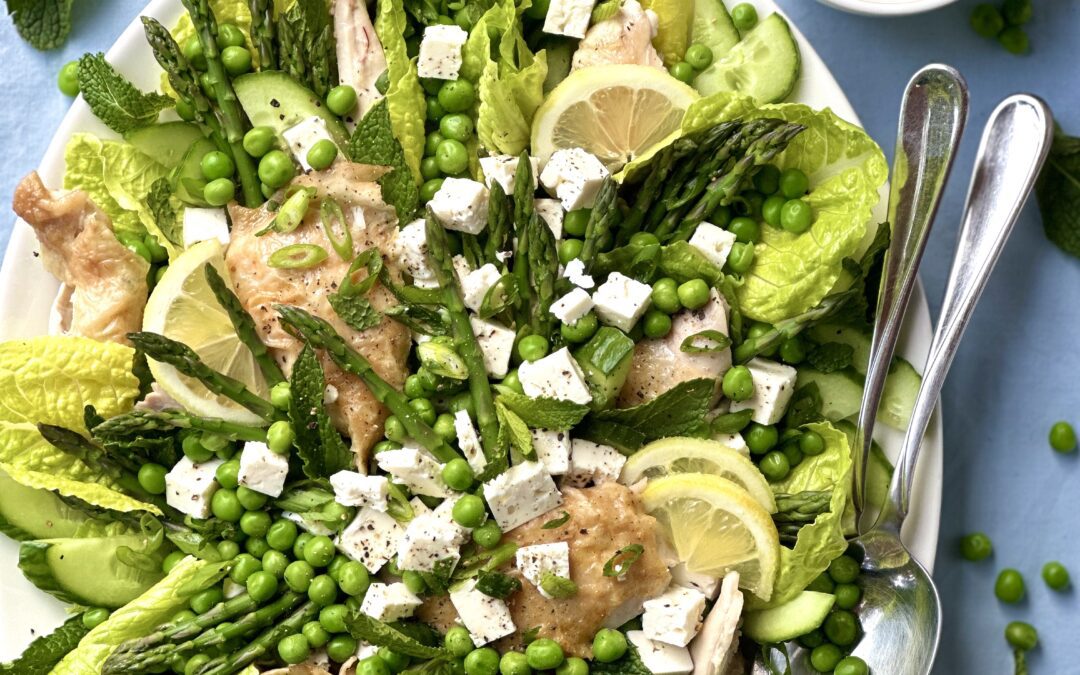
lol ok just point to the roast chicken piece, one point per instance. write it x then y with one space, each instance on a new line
359 54
624 38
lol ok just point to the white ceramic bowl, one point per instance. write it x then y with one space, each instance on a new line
887 7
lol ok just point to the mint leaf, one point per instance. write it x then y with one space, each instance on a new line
497 585
356 311
318 443
619 436
830 357
558 587
629 664
542 413
45 24
805 406
1058 193
113 99
514 431
47 650
159 202
373 142
363 627
679 411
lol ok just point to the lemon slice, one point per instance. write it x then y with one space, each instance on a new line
617 112
183 308
713 526
696 455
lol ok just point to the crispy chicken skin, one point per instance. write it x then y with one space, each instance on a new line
624 38
105 281
355 411
359 53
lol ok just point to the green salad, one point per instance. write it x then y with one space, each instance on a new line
438 337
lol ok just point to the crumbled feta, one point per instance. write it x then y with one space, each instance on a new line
301 137
774 383
389 602
502 169
203 224
308 525
190 486
487 618
592 463
262 470
572 306
428 542
418 506
706 583
371 538
557 376
231 589
469 441
620 301
445 512
364 650
551 212
410 251
573 175
496 343
355 489
734 441
568 17
661 658
674 617
521 493
574 272
414 467
476 284
713 243
461 204
536 561
552 449
440 52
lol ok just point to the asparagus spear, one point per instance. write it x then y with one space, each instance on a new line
262 32
464 339
523 213
659 169
498 223
321 335
601 220
543 274
244 326
231 663
143 421
791 327
184 359
175 632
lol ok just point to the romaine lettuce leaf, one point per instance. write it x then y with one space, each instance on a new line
141 615
405 97
235 12
93 493
793 272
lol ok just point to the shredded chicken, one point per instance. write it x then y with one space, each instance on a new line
624 38
373 224
78 247
715 649
360 55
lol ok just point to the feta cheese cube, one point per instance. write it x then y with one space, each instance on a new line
552 449
476 284
355 489
365 650
774 383
496 343
315 527
469 441
713 243
674 617
659 657
262 470
203 224
429 541
371 538
568 17
592 463
536 561
572 306
409 250
300 138
557 376
389 602
502 169
521 493
416 469
705 583
418 506
487 618
440 52
574 272
445 513
551 211
734 441
573 175
620 301
189 486
461 204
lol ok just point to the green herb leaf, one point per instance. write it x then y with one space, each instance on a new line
497 585
1058 193
619 436
542 413
363 627
731 423
556 523
159 202
680 411
557 587
529 635
397 505
605 10
619 564
438 580
45 24
318 443
830 357
373 142
113 99
442 666
47 650
629 664
805 406
515 431
705 341
357 312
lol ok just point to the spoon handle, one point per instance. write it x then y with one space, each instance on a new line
932 116
1013 149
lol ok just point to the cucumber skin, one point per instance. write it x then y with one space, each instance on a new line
38 569
711 81
796 617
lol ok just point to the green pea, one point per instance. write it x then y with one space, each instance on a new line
68 79
767 179
1055 575
152 478
228 549
353 578
1017 12
544 654
94 617
394 661
457 126
429 188
394 430
457 96
771 209
569 249
844 570
488 535
280 437
463 401
693 294
738 383
259 141
193 52
793 183
665 296
581 330
1021 635
201 603
298 575
575 222
744 16
609 645
414 581
341 648
796 216
458 475
206 83
851 665
429 168
276 169
372 665
244 565
1063 437
237 60
444 426
298 546
532 348
414 388
322 154
760 438
322 590
319 551
976 546
683 72
573 666
483 661
775 466
425 409
847 596
275 562
229 36
469 511
226 506
741 258
746 230
458 641
514 663
185 110
431 143
841 628
282 535
452 156
656 324
314 632
294 649
644 239
158 253
699 56
341 100
793 454
433 110
251 500
255 523
721 216
1009 586
811 443
256 546
814 638
332 618
987 20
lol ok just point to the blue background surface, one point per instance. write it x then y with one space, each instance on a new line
1016 373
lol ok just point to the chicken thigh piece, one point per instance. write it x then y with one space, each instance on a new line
624 38
360 55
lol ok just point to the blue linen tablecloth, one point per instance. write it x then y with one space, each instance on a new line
1016 373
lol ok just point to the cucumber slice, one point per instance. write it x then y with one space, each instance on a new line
879 469
29 513
712 27
841 392
857 339
798 616
898 399
273 99
85 571
765 65
605 360
167 143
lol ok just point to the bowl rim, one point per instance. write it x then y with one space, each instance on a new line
871 8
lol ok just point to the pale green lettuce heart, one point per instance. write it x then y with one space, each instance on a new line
405 97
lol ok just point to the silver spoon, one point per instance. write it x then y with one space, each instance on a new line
900 611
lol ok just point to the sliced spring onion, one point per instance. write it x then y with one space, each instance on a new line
291 213
442 360
502 295
297 256
619 564
372 261
329 211
705 341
